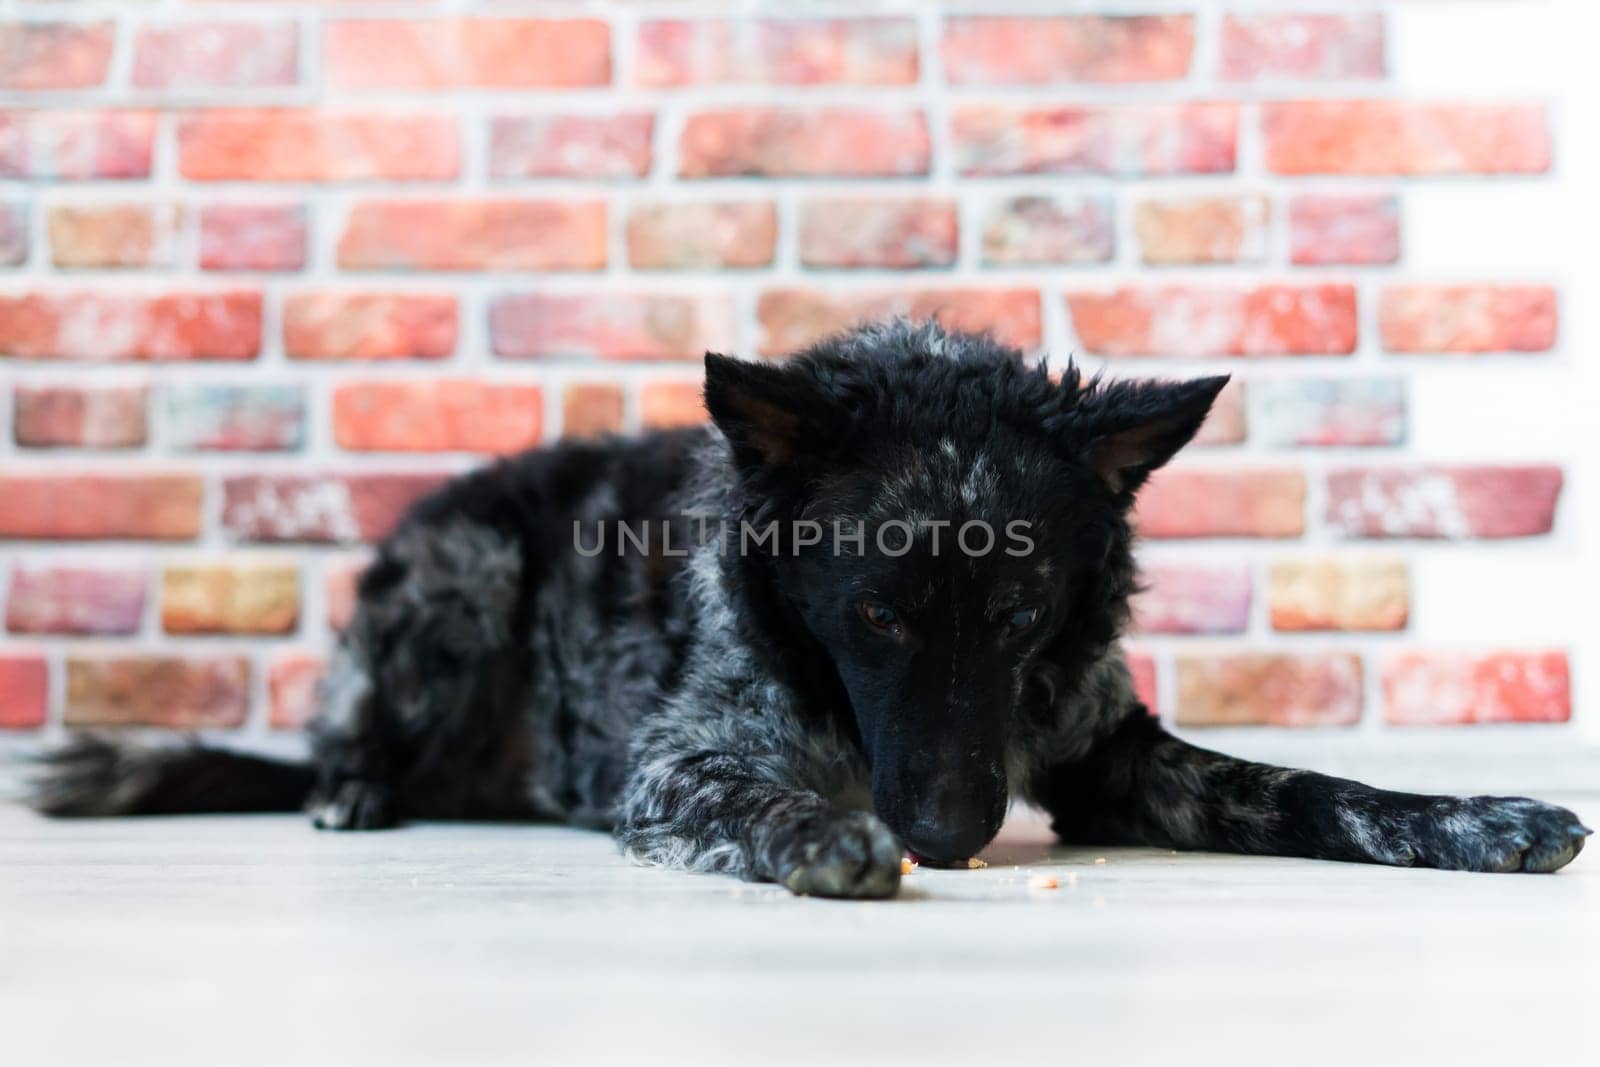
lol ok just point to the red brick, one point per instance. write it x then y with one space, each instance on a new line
571 146
71 416
231 598
74 145
286 145
1302 46
114 235
1203 229
680 236
985 50
1258 689
437 416
292 679
1449 503
253 237
1405 137
1186 598
54 55
1457 688
13 234
24 691
218 417
1339 594
1143 669
1344 412
1227 423
340 581
1184 502
319 508
88 507
804 142
191 692
1273 320
610 325
217 55
1468 318
111 326
1127 139
1044 230
870 232
589 409
1344 229
85 600
792 319
475 235
863 51
466 53
370 326
666 404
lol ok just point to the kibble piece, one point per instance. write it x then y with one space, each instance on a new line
906 865
1044 881
975 864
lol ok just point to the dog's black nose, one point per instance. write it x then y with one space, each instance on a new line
944 842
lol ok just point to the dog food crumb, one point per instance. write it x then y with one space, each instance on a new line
975 864
907 865
1100 859
1044 881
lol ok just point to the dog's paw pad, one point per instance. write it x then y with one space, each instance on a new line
855 857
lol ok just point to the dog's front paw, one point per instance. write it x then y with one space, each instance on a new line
1497 834
854 856
354 806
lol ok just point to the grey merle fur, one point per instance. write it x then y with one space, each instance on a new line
798 714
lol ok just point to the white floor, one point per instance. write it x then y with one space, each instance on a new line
243 941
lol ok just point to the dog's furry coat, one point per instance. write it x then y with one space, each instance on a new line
797 713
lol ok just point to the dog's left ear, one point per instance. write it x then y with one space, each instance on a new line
1128 429
773 415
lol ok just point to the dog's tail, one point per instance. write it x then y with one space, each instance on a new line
93 776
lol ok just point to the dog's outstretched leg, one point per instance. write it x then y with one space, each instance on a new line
710 812
1141 785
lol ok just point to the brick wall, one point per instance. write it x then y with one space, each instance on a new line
268 271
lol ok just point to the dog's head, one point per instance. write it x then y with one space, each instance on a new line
952 532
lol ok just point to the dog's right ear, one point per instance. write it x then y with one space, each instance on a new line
773 416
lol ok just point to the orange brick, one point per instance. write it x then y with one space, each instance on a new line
792 319
1332 594
1271 690
1405 137
475 235
230 598
439 416
369 326
588 410
116 326
500 53
285 145
1185 502
1456 688
667 404
114 235
188 692
89 507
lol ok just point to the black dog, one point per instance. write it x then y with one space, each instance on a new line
877 600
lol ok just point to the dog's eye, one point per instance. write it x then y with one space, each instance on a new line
878 616
1021 619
